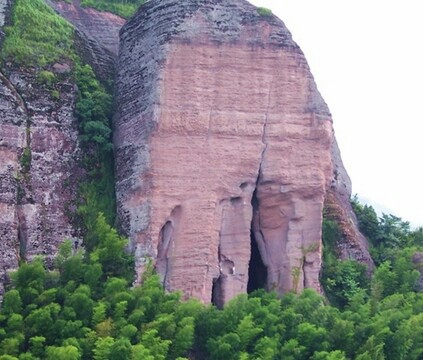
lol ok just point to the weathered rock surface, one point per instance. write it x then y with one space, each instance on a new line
39 148
97 35
39 167
352 244
49 184
225 150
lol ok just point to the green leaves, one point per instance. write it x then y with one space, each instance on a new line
38 35
93 108
124 8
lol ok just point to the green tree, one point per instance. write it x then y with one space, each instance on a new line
63 353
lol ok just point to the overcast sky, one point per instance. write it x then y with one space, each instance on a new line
367 59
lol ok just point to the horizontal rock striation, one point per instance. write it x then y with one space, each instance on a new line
225 151
97 35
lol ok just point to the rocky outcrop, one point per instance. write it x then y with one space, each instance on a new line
39 147
225 150
12 138
39 171
97 35
351 244
39 163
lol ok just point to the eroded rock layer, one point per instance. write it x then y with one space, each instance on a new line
96 36
39 168
39 156
223 145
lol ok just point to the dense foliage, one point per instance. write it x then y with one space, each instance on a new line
124 8
85 309
38 36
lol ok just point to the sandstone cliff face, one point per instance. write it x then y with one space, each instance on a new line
352 244
224 150
97 35
39 171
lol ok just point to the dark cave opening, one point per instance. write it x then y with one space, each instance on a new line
217 293
257 271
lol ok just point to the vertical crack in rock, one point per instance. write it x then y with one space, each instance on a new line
217 297
257 270
14 92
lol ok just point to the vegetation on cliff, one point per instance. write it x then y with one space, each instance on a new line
124 8
38 38
85 309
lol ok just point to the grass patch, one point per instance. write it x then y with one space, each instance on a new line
123 8
46 77
25 160
38 35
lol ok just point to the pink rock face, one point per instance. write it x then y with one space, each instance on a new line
223 150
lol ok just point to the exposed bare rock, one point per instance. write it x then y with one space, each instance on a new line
224 150
352 244
97 35
39 168
12 139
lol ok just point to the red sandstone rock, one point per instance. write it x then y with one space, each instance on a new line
96 35
221 139
101 26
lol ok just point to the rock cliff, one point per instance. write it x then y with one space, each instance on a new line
225 151
225 154
39 171
97 35
40 153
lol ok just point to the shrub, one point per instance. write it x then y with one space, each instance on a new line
46 77
262 11
25 160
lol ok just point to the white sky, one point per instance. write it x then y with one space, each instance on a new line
367 60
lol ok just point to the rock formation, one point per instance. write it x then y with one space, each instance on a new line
39 149
97 35
38 171
225 151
